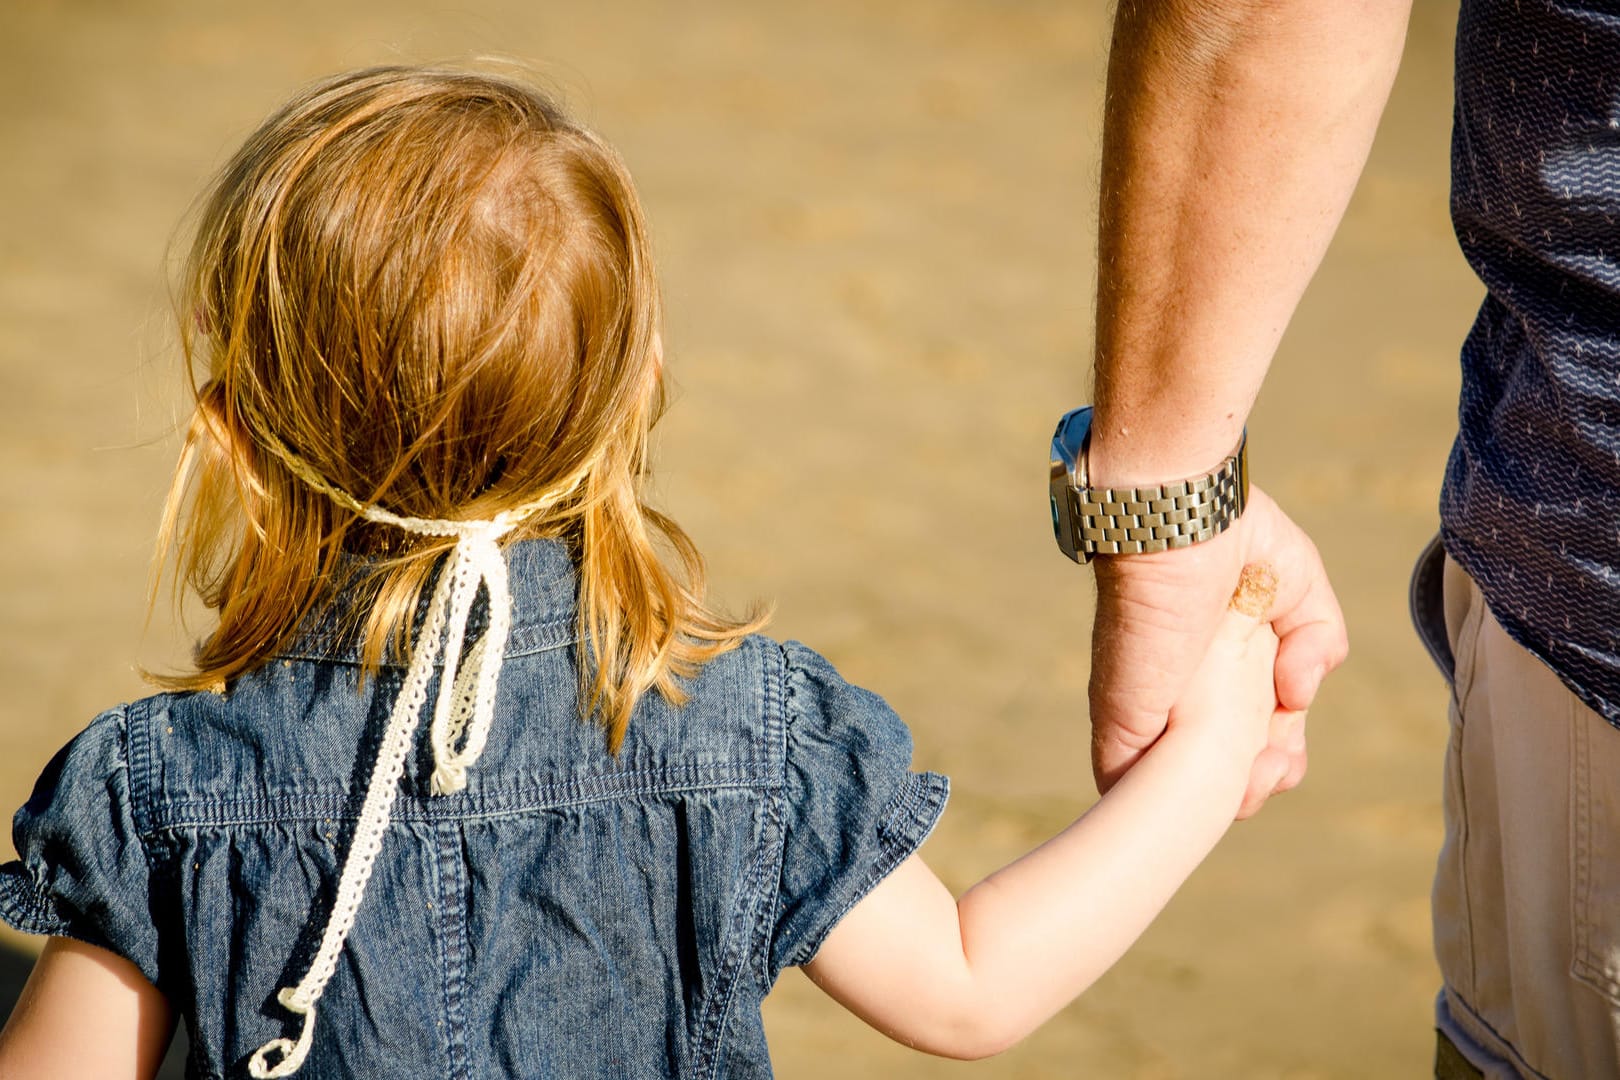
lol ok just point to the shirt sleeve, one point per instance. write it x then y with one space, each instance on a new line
82 870
854 810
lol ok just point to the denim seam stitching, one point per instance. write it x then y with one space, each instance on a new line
28 907
775 694
138 763
734 957
322 647
441 951
916 808
738 943
786 683
141 800
450 863
606 783
194 813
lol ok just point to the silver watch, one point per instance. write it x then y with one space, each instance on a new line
1092 521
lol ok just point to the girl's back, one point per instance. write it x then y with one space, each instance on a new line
570 913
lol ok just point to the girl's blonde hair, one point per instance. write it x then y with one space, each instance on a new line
433 291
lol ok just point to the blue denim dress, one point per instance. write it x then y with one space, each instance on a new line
569 914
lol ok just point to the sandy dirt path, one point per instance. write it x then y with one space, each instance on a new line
875 227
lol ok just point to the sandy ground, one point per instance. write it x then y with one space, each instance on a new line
875 223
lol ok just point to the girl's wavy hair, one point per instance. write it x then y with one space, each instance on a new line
434 291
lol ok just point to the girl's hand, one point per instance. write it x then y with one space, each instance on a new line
1157 613
969 978
1230 702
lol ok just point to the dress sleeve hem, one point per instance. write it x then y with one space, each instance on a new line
26 908
917 809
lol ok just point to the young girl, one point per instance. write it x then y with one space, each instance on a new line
424 331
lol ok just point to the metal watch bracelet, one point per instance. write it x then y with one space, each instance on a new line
1090 521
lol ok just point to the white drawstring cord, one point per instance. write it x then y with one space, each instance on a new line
463 713
475 560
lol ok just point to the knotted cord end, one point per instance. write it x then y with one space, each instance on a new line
292 1053
448 778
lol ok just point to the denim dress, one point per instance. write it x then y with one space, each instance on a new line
569 914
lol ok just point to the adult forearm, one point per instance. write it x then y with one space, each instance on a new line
1233 136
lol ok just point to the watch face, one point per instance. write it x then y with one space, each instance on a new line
1062 507
1068 449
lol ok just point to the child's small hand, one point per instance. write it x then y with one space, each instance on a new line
1231 701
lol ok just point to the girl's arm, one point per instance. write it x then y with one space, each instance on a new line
970 978
85 1012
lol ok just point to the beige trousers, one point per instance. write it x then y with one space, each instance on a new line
1527 892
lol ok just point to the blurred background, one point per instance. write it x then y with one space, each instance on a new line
876 228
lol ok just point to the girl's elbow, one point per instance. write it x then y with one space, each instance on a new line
978 1049
973 1035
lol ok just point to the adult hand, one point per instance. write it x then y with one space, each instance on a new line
1156 616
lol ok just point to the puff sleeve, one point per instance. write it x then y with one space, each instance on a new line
853 808
83 871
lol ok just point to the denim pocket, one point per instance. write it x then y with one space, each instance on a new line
1595 854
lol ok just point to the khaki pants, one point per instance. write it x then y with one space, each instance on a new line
1527 892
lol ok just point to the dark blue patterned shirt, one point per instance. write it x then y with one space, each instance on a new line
1532 490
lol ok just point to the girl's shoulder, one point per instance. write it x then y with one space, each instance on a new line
83 869
786 695
292 740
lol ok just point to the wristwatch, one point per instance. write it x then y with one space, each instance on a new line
1092 521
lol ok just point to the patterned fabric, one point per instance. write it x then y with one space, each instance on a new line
1532 490
568 914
